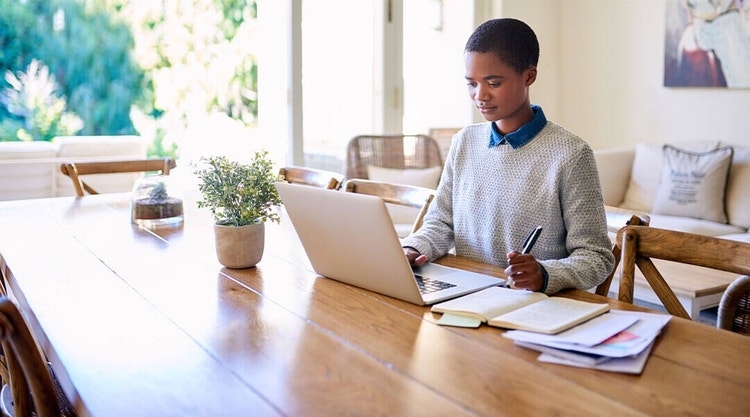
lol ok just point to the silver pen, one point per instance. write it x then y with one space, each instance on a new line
528 244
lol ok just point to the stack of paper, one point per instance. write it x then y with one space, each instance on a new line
618 341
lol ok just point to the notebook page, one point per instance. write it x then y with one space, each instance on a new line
549 316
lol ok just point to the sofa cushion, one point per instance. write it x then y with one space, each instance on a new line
403 217
739 237
738 186
693 184
692 225
614 167
99 147
421 177
645 175
20 176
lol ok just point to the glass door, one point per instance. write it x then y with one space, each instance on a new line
339 77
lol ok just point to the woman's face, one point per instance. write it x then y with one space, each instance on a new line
499 92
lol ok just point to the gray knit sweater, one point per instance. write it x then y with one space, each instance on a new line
489 199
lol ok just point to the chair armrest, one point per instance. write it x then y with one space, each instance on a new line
614 167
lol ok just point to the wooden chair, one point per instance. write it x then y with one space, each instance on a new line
75 169
310 176
31 385
403 195
634 219
4 377
641 243
734 307
443 136
390 151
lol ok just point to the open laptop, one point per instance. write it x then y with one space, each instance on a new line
349 237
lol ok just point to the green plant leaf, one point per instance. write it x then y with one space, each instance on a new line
239 194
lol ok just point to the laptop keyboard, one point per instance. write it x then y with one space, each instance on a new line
429 285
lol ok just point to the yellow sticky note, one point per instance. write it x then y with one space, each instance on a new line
459 321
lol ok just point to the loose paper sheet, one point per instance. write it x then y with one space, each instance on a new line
590 333
628 365
628 342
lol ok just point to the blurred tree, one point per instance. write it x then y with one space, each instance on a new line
32 98
199 55
20 32
130 65
90 49
88 52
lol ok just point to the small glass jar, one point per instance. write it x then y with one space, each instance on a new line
154 202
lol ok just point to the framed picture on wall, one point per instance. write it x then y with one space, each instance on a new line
707 43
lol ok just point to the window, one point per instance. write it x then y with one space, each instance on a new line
352 77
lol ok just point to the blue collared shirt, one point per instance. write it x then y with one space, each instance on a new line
518 138
524 134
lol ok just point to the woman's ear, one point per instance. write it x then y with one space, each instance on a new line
530 76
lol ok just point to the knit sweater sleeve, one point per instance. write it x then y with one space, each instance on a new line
590 258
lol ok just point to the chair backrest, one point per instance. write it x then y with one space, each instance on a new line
310 176
400 194
443 136
390 151
632 219
641 243
30 380
734 307
75 169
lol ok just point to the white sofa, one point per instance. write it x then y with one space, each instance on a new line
640 180
32 169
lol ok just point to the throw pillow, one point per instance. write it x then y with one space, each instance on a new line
693 184
646 172
421 177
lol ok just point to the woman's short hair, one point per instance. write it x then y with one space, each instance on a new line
512 40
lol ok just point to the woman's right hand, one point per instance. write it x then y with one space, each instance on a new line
414 257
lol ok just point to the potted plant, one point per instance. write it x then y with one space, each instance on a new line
241 197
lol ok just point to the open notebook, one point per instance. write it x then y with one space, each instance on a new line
349 237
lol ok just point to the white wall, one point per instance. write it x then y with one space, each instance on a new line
434 86
611 70
601 75
544 18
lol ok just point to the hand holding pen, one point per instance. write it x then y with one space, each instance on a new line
524 272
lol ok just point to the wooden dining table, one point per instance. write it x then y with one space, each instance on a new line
146 322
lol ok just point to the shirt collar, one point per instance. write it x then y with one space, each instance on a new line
524 134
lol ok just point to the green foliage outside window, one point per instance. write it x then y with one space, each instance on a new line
39 113
111 58
87 52
197 51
